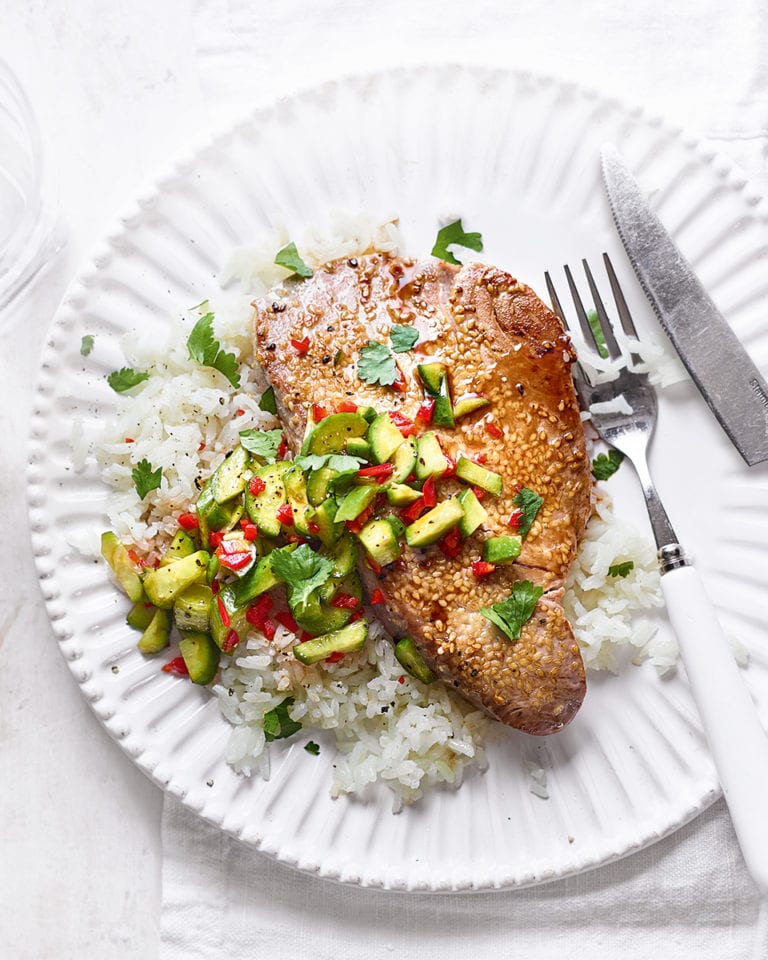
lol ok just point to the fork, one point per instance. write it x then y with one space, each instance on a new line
736 738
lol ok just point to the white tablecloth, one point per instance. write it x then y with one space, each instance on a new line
85 870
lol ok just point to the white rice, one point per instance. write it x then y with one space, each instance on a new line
387 726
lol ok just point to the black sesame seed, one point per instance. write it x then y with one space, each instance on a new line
278 307
352 262
326 359
520 388
271 346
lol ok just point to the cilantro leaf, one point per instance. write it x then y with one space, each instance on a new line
621 569
145 478
313 748
126 379
604 466
303 571
268 403
336 461
206 350
597 333
277 724
263 443
86 344
530 503
509 615
403 337
454 233
289 258
376 364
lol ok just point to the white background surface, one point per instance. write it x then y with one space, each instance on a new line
119 88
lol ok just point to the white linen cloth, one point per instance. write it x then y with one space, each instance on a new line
699 64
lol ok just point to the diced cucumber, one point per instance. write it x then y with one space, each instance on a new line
404 461
478 476
350 584
475 513
358 447
411 660
397 525
201 657
380 542
124 569
308 430
235 612
212 569
140 615
501 549
432 376
164 584
332 433
384 438
468 404
430 459
258 580
442 414
181 546
157 636
355 502
434 525
215 516
369 413
319 483
347 640
399 495
328 531
228 479
316 617
296 490
192 608
342 556
263 507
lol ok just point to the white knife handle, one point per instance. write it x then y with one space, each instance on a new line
736 738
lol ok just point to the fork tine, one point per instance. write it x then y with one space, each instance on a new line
554 299
621 304
580 379
602 316
586 329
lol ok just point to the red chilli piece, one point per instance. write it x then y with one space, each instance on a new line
346 406
269 629
257 612
295 538
479 492
450 545
239 412
215 538
231 641
378 597
250 530
412 513
215 586
480 459
318 413
345 601
481 568
429 493
177 666
282 449
356 525
404 424
516 518
400 384
188 521
379 472
376 567
357 615
451 468
129 440
200 447
285 515
334 657
301 346
306 635
493 430
135 558
313 527
426 411
286 620
401 679
256 486
223 612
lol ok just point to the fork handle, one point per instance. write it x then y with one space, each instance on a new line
736 738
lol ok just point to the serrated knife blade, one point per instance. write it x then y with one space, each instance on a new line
729 381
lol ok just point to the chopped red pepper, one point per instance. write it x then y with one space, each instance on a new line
300 346
240 412
285 619
401 679
282 449
450 545
346 406
295 538
188 521
376 567
134 557
223 612
426 411
313 527
318 413
129 440
215 538
345 601
357 615
412 513
256 614
269 629
481 568
450 471
356 525
400 385
285 515
494 431
201 447
250 530
429 493
215 587
379 472
177 665
479 492
306 635
480 458
334 657
404 424
235 561
231 641
516 518
256 486
378 597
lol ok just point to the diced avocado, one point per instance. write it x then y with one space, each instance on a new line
430 459
411 660
342 556
332 433
163 585
355 502
369 413
358 447
124 569
399 495
192 608
228 479
384 438
404 461
475 513
158 634
432 376
380 542
262 508
350 584
501 549
478 476
316 617
319 483
140 615
328 531
181 546
434 525
258 580
468 404
201 656
296 491
215 516
235 613
347 640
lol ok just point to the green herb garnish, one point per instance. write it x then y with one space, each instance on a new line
509 615
597 332
289 258
604 466
530 503
303 571
453 233
277 724
376 364
126 379
313 748
268 403
203 347
621 569
86 344
403 338
264 443
145 478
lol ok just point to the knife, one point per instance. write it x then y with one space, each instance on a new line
729 381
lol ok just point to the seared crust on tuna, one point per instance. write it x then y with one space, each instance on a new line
500 340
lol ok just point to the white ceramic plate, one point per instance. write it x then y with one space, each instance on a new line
517 157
